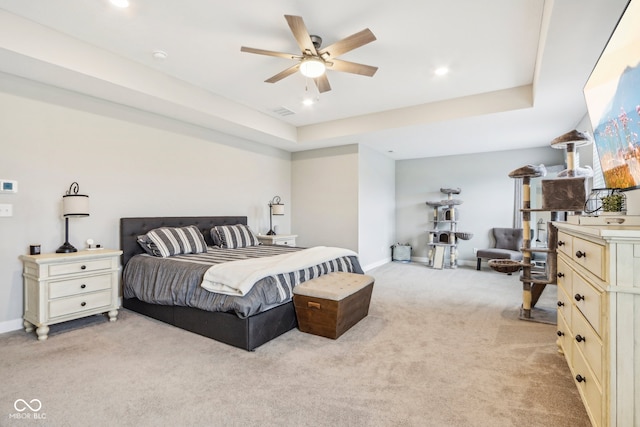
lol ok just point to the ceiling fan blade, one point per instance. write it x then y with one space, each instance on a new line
301 34
351 67
282 74
269 53
322 83
348 44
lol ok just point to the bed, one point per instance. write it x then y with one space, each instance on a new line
244 322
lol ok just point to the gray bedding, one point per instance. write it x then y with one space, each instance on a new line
176 280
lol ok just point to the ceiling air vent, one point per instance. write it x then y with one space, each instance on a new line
283 111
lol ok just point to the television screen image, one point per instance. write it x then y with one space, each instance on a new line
612 94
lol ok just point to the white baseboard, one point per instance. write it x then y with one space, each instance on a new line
376 264
10 325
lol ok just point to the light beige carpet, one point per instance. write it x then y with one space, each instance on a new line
439 348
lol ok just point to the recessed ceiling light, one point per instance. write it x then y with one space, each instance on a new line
159 55
441 71
120 3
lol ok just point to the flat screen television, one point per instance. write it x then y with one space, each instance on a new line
612 95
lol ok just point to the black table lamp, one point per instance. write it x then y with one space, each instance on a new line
73 204
275 208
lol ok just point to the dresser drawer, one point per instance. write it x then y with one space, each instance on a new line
588 300
589 255
565 336
565 305
79 267
80 285
588 386
564 277
565 244
588 342
80 303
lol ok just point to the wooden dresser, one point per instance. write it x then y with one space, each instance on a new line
599 318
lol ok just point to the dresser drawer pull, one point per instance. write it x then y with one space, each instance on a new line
83 267
578 297
560 304
82 304
580 338
581 379
560 243
83 286
581 254
560 333
560 274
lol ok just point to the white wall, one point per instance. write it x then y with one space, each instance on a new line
376 207
127 169
487 194
325 192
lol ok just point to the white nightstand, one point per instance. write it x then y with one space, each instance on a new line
61 287
278 239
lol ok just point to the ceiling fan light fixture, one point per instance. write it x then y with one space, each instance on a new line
312 67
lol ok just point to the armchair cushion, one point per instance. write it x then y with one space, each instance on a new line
508 242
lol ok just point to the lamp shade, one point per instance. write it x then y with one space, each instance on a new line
75 205
278 209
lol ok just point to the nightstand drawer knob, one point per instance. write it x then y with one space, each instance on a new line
578 297
581 379
580 338
83 303
83 267
581 254
83 286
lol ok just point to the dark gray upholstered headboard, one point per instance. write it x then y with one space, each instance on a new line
131 228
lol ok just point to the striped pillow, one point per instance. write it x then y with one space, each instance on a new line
236 236
177 240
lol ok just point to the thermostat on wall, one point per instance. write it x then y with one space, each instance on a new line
8 186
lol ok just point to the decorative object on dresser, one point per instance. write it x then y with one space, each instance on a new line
179 297
61 287
331 304
444 234
275 208
599 317
280 239
73 205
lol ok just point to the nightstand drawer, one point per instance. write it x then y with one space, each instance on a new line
79 267
288 242
79 286
84 302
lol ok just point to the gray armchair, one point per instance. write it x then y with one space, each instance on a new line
508 242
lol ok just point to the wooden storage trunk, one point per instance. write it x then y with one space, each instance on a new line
331 304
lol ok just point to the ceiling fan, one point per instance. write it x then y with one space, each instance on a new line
314 60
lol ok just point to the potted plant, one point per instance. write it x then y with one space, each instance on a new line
613 202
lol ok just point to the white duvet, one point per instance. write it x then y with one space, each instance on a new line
237 277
